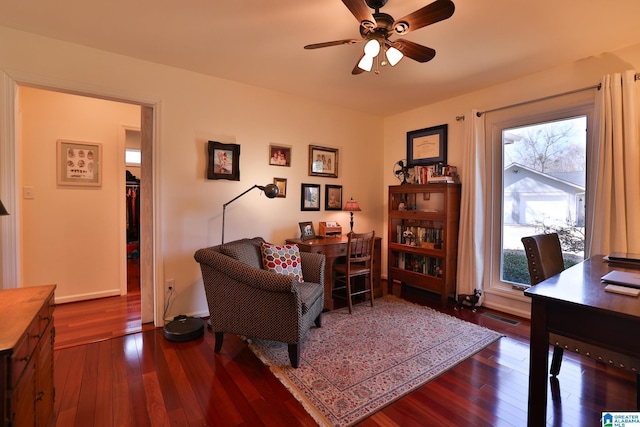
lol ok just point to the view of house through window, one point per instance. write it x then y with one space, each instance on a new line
543 190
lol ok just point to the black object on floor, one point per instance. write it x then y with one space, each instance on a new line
183 328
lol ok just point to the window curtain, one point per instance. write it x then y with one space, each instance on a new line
471 238
615 169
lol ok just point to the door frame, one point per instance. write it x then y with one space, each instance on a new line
10 246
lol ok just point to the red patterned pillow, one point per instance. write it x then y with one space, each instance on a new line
282 259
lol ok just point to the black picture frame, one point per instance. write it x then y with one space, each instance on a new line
323 161
306 230
223 161
310 197
332 197
427 146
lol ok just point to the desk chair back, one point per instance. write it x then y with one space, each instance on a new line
544 256
358 260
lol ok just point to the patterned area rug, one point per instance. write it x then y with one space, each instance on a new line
356 364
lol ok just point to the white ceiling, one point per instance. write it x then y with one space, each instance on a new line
260 42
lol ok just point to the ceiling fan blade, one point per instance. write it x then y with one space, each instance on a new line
357 70
415 51
431 13
360 10
333 43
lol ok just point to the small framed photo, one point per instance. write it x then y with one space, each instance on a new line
79 163
306 230
310 197
281 183
279 155
323 161
332 197
427 146
224 161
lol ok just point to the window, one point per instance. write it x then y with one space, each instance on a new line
132 157
538 183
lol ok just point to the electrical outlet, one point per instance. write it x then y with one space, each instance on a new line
171 285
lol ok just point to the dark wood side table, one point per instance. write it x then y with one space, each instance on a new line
26 356
333 248
574 304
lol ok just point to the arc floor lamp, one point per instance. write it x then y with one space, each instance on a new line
269 190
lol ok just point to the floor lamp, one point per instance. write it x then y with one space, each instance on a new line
270 190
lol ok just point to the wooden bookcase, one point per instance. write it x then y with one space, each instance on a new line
423 237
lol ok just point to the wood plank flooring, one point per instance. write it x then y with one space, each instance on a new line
129 378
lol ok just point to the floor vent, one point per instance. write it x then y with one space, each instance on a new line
502 319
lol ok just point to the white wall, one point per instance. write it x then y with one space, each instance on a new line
69 233
192 109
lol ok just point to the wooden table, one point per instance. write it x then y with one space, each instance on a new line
333 248
574 304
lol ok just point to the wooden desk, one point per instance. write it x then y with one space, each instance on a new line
574 304
333 248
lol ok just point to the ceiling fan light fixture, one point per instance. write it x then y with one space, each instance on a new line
393 55
372 48
366 63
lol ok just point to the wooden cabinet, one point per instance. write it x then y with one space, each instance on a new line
26 356
333 248
423 236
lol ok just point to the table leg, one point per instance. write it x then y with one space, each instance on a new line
538 364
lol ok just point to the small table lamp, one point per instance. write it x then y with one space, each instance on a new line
3 211
351 206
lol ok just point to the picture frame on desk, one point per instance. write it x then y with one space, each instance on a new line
427 146
306 230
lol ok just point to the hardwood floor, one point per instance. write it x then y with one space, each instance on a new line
142 379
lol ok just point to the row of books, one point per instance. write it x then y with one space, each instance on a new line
416 236
420 264
435 173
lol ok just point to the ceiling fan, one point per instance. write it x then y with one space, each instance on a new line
376 29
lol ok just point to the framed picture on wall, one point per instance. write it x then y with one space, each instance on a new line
223 161
427 146
281 183
333 197
323 161
279 155
79 163
310 197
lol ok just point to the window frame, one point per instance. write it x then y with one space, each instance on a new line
550 109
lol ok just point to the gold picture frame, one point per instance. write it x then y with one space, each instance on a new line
323 161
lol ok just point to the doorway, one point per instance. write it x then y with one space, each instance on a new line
17 267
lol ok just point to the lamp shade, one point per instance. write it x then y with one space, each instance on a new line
351 206
393 55
3 211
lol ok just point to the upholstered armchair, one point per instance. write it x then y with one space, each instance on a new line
245 299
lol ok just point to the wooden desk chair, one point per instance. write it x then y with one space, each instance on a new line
357 263
544 257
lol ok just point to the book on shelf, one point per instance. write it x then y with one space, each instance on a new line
435 173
